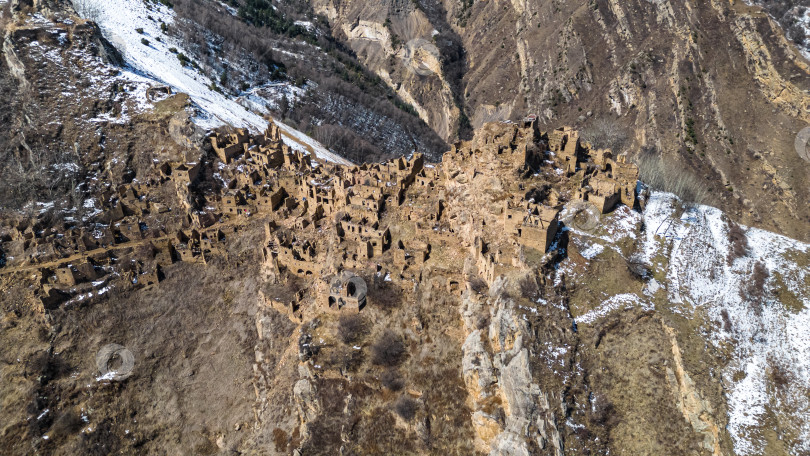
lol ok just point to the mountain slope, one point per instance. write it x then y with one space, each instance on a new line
134 29
667 330
714 87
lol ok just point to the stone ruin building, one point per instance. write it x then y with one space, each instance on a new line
322 220
347 292
605 181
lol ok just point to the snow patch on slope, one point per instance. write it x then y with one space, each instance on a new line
766 334
120 21
766 323
609 305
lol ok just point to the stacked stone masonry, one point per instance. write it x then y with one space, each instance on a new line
328 224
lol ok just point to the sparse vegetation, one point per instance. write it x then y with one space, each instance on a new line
262 13
662 175
388 350
529 288
726 320
406 407
392 380
779 375
183 59
737 242
759 276
67 424
602 412
350 328
478 285
691 134
87 9
606 133
382 293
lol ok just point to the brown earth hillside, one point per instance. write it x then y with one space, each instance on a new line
712 86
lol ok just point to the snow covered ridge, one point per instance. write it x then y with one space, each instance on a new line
756 301
134 28
767 323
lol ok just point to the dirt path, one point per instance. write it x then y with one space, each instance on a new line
90 253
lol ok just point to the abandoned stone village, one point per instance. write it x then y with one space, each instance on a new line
328 224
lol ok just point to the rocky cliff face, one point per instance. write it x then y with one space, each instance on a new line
73 115
713 87
660 329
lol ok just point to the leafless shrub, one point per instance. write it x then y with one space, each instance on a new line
756 286
738 242
482 321
638 267
602 412
406 407
756 306
87 9
392 380
102 441
666 176
388 350
779 375
606 133
382 293
726 320
46 366
350 328
529 288
280 439
66 425
478 285
343 358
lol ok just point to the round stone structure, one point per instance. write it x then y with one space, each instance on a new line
347 291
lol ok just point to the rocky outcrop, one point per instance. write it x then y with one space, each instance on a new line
399 45
15 66
306 401
697 411
718 66
497 370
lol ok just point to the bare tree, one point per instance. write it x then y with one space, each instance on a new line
667 176
87 9
388 350
350 328
406 407
605 132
